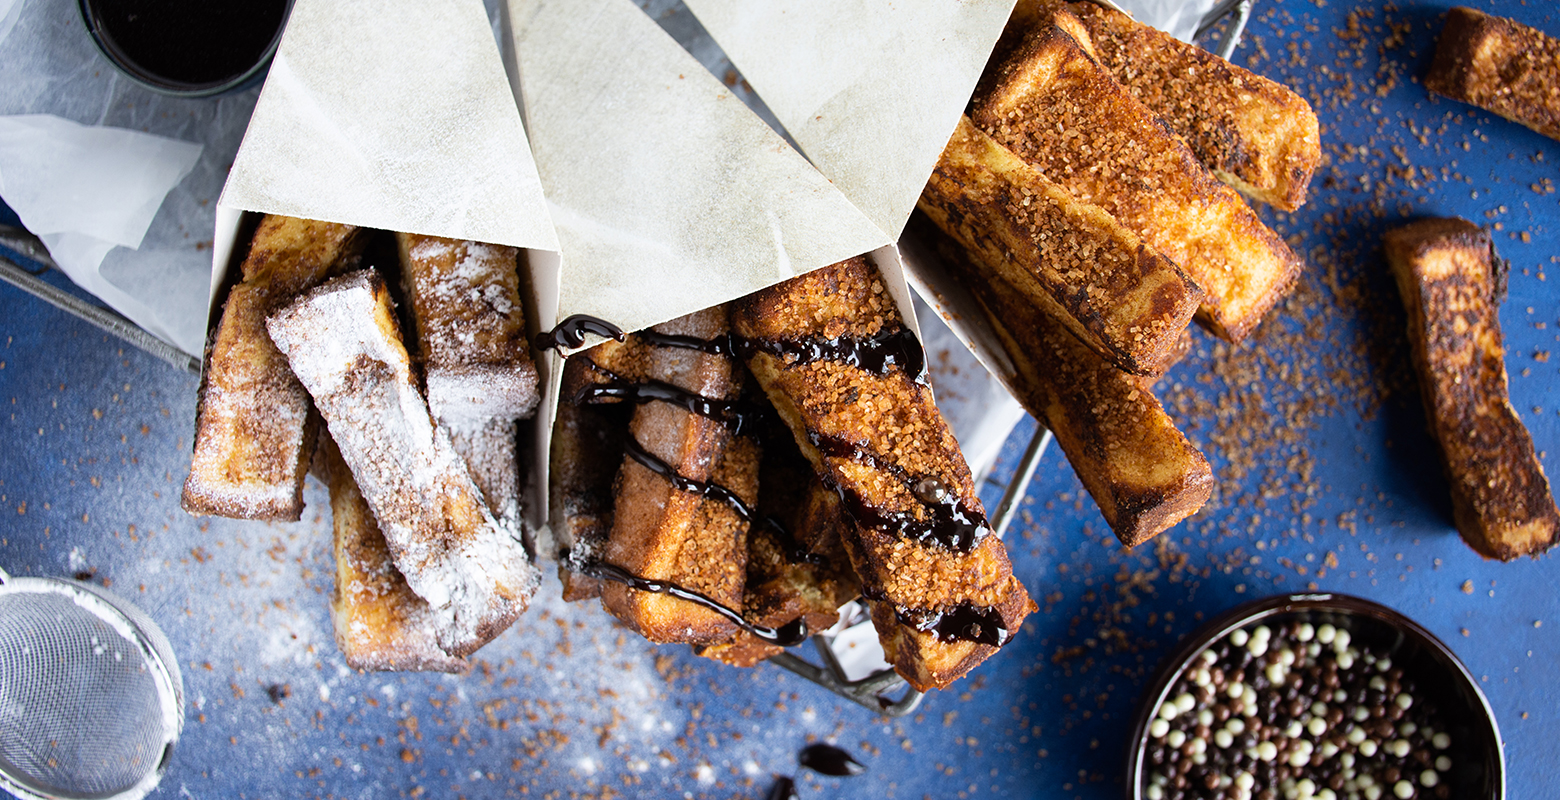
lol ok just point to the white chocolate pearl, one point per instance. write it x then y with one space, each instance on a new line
1384 664
1399 747
1199 745
1361 714
1341 640
1340 695
1373 793
1356 734
1305 632
1267 751
1158 728
1367 747
1205 717
1262 632
1275 674
1365 781
1345 661
1208 657
1244 780
1201 677
1184 702
1403 789
1306 788
1347 760
1178 737
1378 683
1429 779
1169 710
1299 758
1316 726
1319 709
1199 759
1326 633
1329 749
1407 728
1236 690
1222 738
1154 792
1403 700
1286 657
1236 726
1239 637
1443 763
1257 647
1294 730
1441 741
1326 794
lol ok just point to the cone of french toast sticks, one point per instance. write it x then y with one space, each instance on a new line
380 239
744 438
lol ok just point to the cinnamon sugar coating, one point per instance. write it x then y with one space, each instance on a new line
892 420
1499 65
661 532
1452 284
255 427
1054 106
1114 291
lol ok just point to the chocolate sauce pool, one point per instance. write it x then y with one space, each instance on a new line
187 43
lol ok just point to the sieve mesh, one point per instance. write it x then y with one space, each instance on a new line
81 714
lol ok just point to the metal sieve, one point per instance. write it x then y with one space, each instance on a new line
91 700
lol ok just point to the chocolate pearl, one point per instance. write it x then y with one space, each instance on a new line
1156 755
1297 707
1211 782
1391 775
1334 716
1221 712
1335 783
1202 732
1179 781
1172 769
1443 791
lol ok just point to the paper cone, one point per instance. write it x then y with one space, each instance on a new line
869 89
398 115
669 195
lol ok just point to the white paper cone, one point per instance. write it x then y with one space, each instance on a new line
869 89
392 114
669 195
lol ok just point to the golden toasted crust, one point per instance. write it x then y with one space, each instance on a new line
660 532
1058 109
255 428
470 325
1252 133
780 588
381 624
1451 282
1501 66
902 441
1141 470
587 451
1114 292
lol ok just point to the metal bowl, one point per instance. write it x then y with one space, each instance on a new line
1479 772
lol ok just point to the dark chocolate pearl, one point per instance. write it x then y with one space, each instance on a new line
1211 782
830 760
1335 783
784 789
1391 775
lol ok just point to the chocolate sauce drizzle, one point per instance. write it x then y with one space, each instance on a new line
828 759
571 332
963 622
739 417
788 635
876 354
951 523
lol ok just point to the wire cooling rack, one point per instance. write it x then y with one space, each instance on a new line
23 259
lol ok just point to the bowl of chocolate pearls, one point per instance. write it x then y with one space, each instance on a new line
1315 697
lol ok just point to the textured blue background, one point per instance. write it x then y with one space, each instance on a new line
1315 430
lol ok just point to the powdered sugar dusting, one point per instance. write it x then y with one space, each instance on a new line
343 346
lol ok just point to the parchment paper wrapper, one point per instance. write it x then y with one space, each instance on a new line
393 114
668 193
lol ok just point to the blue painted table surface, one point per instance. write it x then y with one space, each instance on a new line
1327 481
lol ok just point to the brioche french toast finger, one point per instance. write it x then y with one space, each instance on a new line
832 353
1452 284
470 326
255 428
343 343
796 568
1501 66
380 623
1054 106
488 449
1252 133
667 523
1116 293
1140 469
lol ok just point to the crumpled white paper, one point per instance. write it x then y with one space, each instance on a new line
49 65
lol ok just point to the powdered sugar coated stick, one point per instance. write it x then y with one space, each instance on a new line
488 448
344 345
465 299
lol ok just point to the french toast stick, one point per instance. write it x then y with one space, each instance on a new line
1115 292
1501 66
1253 133
1452 283
380 623
796 567
255 428
663 532
1142 472
1055 107
830 350
487 446
344 344
470 327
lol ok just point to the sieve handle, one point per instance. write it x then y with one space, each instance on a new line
4 576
